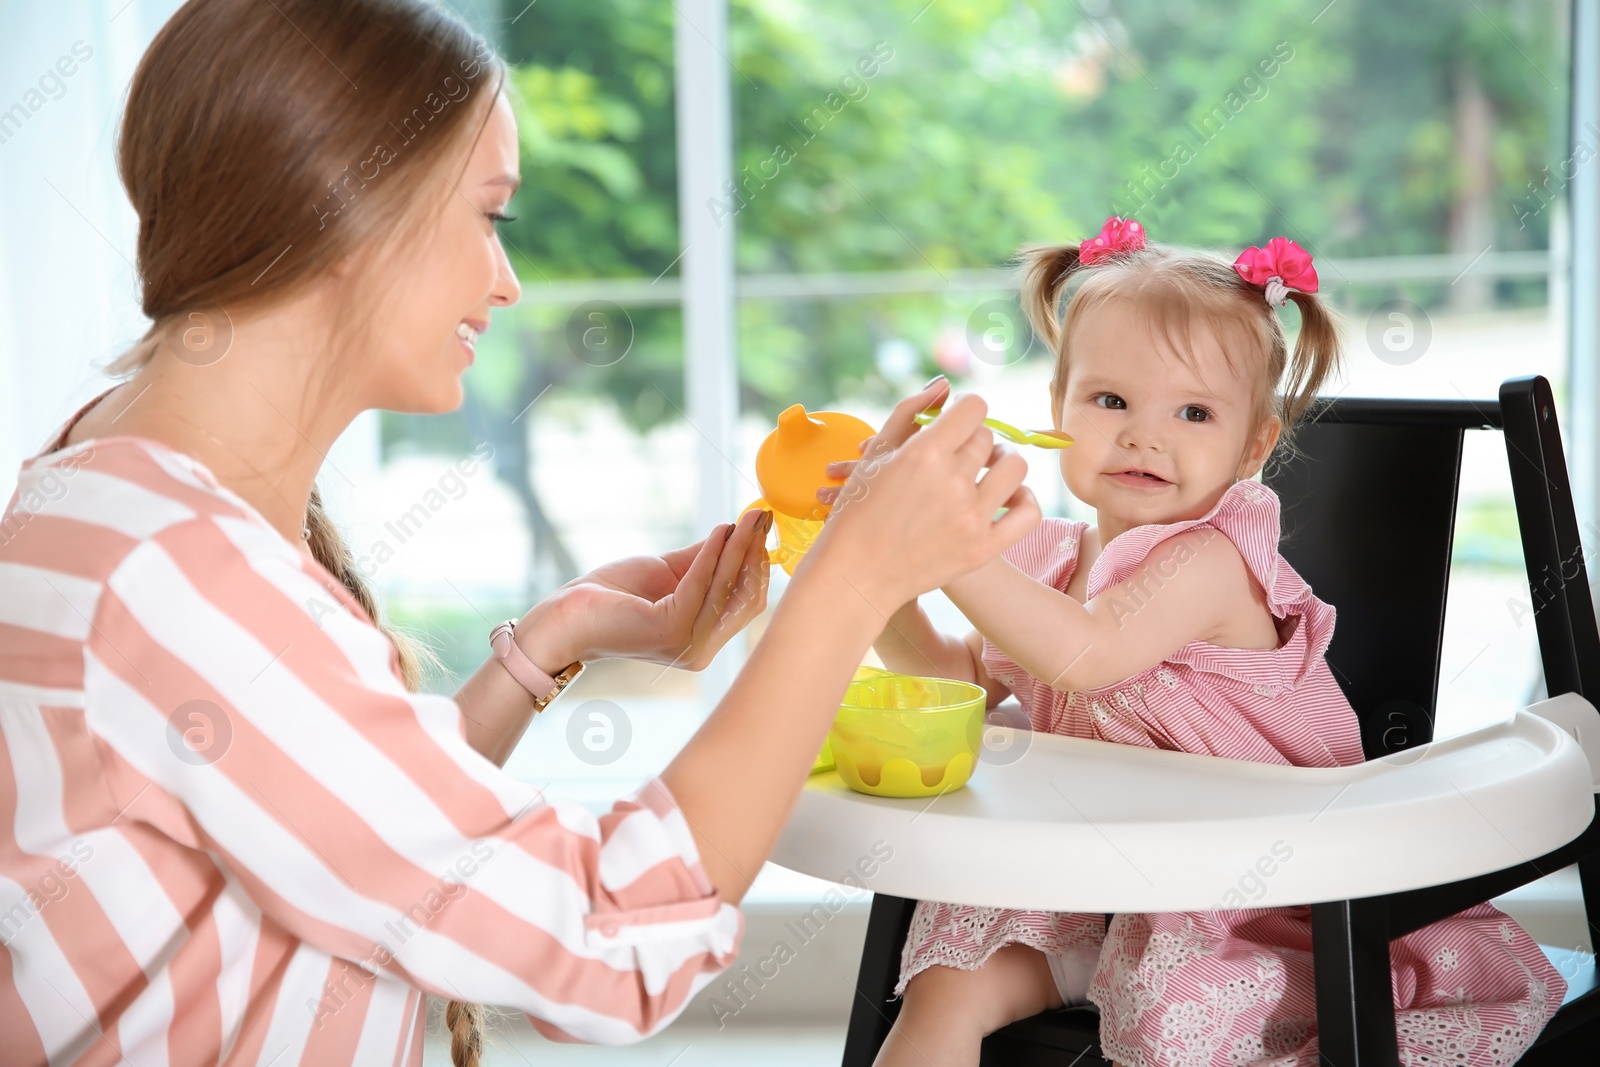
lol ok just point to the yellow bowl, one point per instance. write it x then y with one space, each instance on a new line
824 760
898 735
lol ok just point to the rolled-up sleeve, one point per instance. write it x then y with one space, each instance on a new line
246 707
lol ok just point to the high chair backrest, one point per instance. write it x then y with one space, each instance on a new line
1552 546
1368 515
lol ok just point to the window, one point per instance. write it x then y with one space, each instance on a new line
890 159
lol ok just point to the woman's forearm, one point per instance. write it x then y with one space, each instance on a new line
910 644
496 708
738 778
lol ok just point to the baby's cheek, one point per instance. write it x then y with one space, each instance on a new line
1077 466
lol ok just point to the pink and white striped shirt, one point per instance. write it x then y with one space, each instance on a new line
229 835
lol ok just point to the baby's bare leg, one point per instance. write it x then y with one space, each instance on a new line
947 1011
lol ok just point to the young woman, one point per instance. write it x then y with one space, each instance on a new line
231 831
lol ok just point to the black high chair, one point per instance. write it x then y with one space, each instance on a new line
1369 509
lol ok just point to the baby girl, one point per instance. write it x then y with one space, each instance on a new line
1148 628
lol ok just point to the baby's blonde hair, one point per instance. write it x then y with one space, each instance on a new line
1178 287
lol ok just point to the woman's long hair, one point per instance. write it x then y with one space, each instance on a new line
265 142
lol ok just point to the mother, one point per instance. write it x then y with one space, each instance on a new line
230 829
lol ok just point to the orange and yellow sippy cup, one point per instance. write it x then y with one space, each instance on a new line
791 465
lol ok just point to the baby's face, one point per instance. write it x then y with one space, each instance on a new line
1131 404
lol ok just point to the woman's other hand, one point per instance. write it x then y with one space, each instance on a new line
676 609
913 513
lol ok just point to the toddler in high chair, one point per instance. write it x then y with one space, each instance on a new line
1173 622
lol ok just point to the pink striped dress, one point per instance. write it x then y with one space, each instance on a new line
229 835
1230 988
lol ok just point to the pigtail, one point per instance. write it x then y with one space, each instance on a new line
466 1024
331 550
1313 363
1046 270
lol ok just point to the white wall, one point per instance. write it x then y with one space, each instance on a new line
67 283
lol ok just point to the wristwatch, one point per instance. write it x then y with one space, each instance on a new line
542 686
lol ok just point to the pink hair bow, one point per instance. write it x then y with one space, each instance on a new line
1117 237
1281 266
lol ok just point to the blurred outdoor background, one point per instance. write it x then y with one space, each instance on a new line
888 159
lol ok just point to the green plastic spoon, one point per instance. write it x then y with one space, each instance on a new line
1042 438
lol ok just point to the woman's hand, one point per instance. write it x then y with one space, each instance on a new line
931 395
914 514
677 609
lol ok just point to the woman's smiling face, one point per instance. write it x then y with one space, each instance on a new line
455 279
1155 441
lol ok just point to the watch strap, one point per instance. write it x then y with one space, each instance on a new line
543 687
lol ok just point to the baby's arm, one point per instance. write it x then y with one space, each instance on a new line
910 644
1184 591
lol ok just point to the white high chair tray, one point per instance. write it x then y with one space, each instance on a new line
1076 825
